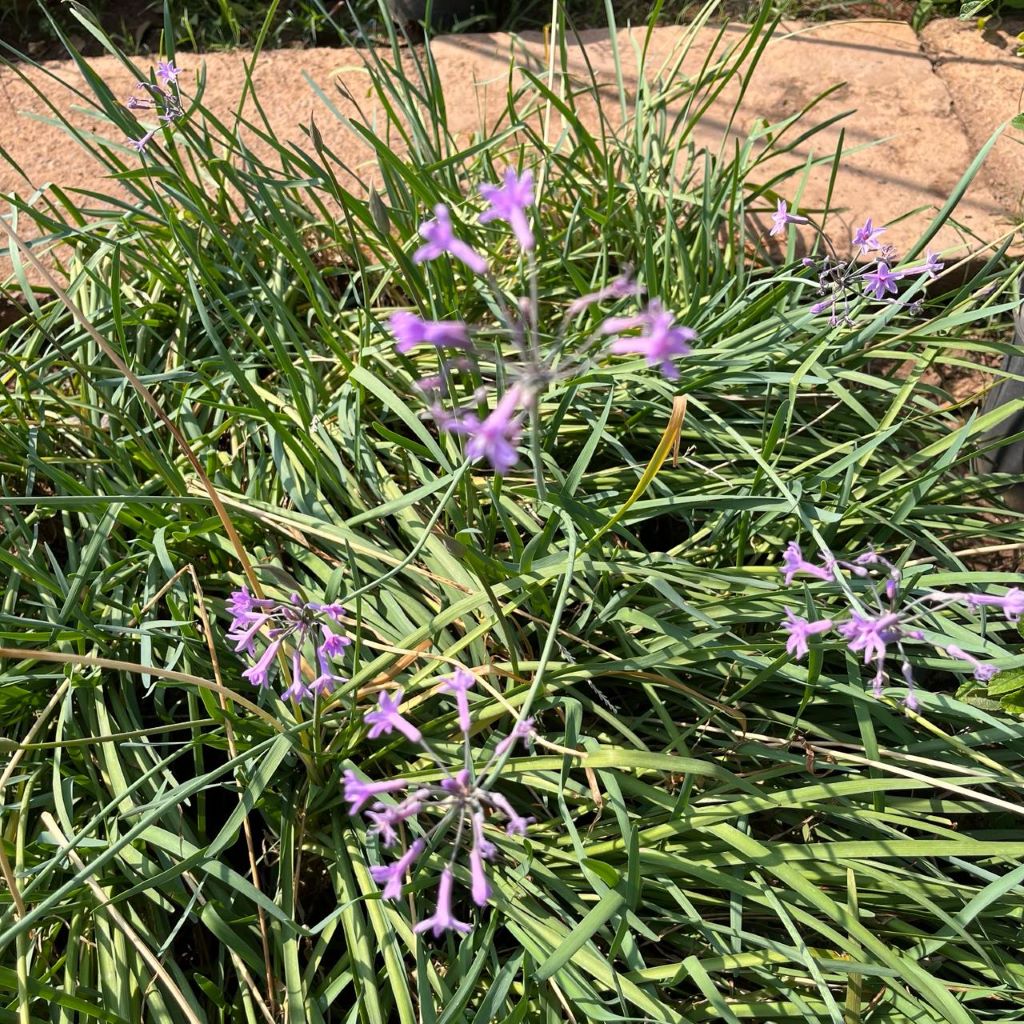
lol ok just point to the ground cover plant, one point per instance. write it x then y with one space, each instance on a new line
508 594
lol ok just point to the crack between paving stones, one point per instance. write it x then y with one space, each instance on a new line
935 62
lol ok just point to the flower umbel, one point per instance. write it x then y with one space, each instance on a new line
295 627
843 281
165 102
876 634
508 371
453 809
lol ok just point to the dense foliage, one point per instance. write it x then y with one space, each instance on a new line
721 830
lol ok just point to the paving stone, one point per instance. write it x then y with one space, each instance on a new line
985 79
884 82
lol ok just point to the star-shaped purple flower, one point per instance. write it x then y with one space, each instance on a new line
509 202
167 72
394 873
387 718
443 920
440 239
866 238
659 340
496 438
793 561
781 217
359 792
799 630
882 281
872 635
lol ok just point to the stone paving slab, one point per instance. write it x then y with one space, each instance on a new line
985 78
905 146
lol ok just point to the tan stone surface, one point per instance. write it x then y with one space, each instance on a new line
985 78
885 84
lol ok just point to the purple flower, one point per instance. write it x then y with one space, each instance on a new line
867 237
240 603
982 672
509 202
1012 602
799 630
497 437
459 683
871 635
780 218
484 846
246 625
334 643
333 611
442 920
883 280
387 717
167 72
659 340
932 265
385 818
394 873
290 626
481 888
619 288
521 731
793 562
457 803
258 674
409 331
516 823
359 792
324 684
460 784
298 691
440 239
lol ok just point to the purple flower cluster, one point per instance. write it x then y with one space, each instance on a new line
165 101
456 809
292 628
494 436
890 624
842 281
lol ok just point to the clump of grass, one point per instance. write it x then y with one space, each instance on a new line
722 832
